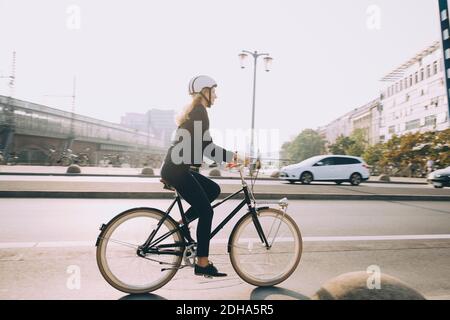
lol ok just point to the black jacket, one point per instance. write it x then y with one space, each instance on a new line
193 141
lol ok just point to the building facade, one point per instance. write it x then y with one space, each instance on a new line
30 130
366 118
157 123
415 99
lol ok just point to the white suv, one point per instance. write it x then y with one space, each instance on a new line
334 168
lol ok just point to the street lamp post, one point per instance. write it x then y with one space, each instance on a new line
268 61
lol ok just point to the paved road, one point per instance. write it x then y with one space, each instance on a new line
41 240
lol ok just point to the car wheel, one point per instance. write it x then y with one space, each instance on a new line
355 179
306 178
438 186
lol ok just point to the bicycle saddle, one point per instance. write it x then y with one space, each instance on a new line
167 186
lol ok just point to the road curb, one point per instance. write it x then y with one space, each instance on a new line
157 176
261 196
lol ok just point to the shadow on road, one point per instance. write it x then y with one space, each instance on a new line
261 293
144 296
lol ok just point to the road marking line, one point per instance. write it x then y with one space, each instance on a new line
63 244
377 238
11 245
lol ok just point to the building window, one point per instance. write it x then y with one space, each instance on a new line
391 129
446 34
416 77
422 74
414 124
401 85
435 67
430 120
428 71
410 80
444 15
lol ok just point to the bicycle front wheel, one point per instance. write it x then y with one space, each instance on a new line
117 251
253 261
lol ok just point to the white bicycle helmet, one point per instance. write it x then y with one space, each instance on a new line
197 84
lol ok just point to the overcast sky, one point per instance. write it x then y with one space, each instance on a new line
130 56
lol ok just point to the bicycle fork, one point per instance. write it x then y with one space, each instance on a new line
259 229
283 203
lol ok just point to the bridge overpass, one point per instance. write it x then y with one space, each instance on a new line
29 130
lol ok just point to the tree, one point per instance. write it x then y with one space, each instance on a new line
359 144
413 148
373 154
354 145
341 145
307 144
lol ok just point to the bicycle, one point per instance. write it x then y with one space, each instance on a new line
141 249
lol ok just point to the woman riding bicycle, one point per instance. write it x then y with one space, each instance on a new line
191 143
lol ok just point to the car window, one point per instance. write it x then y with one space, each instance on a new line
329 161
309 161
346 161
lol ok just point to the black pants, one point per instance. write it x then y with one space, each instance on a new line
199 191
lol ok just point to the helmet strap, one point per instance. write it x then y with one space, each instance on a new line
207 100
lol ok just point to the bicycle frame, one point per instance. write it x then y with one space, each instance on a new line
150 243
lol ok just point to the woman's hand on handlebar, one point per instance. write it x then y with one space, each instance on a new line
237 161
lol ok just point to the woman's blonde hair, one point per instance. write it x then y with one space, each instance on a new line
183 116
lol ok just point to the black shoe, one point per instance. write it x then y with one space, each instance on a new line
208 271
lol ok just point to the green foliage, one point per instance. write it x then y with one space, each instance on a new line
417 148
354 145
373 154
307 144
399 151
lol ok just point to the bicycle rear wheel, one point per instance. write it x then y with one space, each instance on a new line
117 252
261 266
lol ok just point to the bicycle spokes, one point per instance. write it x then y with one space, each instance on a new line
258 263
130 266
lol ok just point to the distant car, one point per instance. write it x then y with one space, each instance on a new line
440 178
335 168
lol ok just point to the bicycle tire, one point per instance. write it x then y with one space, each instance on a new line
236 236
113 225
